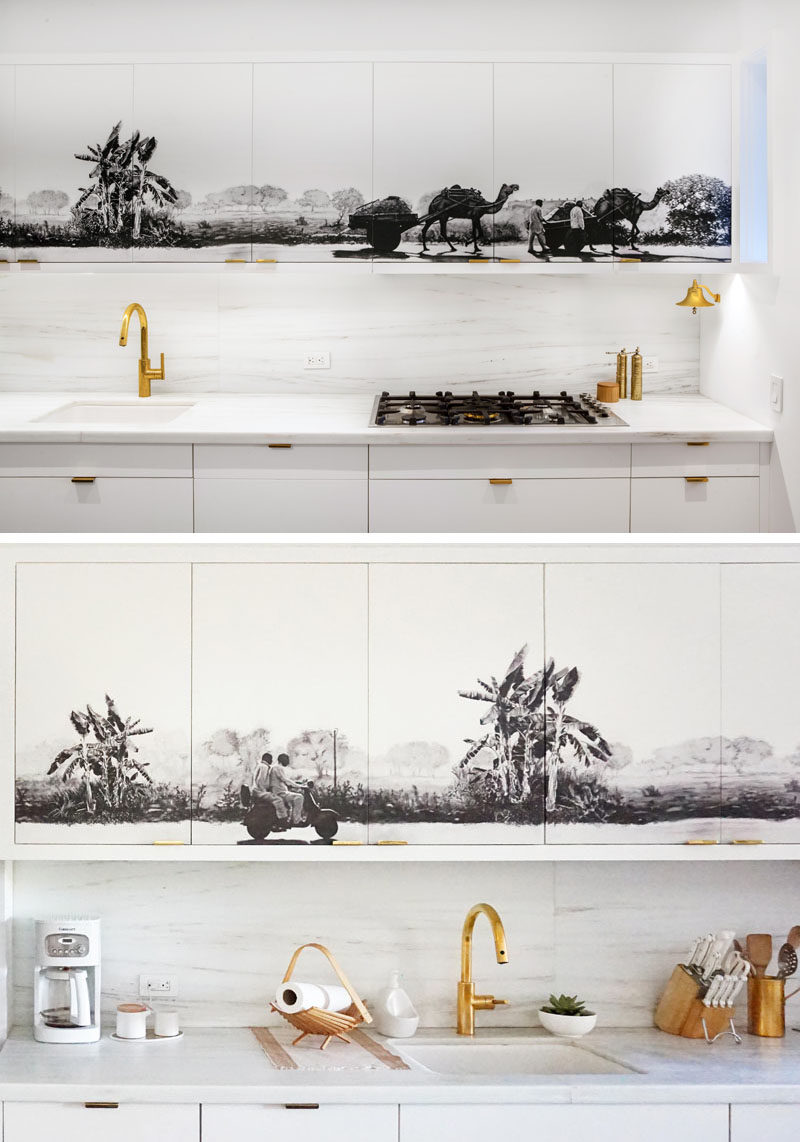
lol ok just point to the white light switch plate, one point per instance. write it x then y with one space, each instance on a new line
317 361
776 393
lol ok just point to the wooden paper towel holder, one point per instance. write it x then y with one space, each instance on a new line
315 1021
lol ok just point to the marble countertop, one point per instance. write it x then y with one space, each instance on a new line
294 419
226 1065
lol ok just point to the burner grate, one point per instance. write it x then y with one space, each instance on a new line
475 409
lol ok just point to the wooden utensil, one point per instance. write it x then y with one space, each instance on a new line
794 937
759 952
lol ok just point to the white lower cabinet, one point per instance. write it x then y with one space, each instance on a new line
100 1122
571 1123
99 504
292 505
300 1122
499 505
755 1123
694 503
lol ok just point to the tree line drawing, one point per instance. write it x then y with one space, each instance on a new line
128 202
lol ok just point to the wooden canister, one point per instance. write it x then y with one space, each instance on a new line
608 391
766 1007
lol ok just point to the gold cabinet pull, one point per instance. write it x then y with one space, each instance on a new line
263 261
82 479
279 446
696 479
697 443
235 261
755 842
301 1106
27 261
498 480
702 842
101 1105
392 842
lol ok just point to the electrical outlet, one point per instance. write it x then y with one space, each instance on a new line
157 986
317 361
776 392
649 364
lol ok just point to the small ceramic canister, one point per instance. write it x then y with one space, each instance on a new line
167 1023
132 1020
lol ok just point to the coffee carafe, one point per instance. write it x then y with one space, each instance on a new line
66 981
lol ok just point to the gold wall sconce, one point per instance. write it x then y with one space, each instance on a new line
697 299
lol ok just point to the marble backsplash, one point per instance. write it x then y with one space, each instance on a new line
241 332
610 931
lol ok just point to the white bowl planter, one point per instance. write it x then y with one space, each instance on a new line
568 1026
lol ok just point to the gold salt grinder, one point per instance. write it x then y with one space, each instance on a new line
636 375
622 372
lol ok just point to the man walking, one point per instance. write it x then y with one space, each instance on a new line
536 229
286 790
577 228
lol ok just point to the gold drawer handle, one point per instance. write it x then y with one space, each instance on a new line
392 842
83 479
279 446
347 843
747 842
702 842
696 479
27 261
263 261
301 1106
505 480
101 1105
235 261
697 443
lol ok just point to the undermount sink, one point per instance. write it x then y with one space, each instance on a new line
134 413
510 1057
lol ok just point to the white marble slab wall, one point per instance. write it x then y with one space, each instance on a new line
241 332
611 931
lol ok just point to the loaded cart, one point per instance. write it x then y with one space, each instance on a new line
385 220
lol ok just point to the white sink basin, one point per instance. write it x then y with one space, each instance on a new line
510 1057
139 412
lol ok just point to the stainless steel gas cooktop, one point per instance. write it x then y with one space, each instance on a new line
475 410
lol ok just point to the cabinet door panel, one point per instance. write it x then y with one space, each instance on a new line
672 166
477 505
68 155
74 1122
670 503
300 1124
7 191
102 646
280 505
567 1123
279 668
760 667
433 130
553 136
641 764
35 503
442 771
200 118
312 159
754 1123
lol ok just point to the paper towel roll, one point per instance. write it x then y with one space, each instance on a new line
293 997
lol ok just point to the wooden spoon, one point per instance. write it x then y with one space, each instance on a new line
759 952
794 936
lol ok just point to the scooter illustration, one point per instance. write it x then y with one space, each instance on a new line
262 818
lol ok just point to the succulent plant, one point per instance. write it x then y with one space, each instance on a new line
566 1005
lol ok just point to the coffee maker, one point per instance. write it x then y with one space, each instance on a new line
66 981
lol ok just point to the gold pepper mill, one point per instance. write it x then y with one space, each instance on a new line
622 372
636 375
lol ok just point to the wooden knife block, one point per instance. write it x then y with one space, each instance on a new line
680 1010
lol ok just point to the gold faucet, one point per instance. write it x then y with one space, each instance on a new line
146 374
468 1001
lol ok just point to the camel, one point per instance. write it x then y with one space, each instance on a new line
619 202
462 202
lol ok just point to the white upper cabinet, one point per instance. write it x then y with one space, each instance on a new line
193 164
553 138
633 730
433 159
312 160
279 695
456 703
760 731
103 703
6 163
672 162
72 129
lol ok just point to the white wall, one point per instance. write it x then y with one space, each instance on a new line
237 332
754 331
609 931
351 25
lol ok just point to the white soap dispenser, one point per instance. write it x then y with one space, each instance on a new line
393 1013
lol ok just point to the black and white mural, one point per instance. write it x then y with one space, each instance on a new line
280 703
103 703
420 162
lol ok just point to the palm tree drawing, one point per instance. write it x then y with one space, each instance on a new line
122 183
529 723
